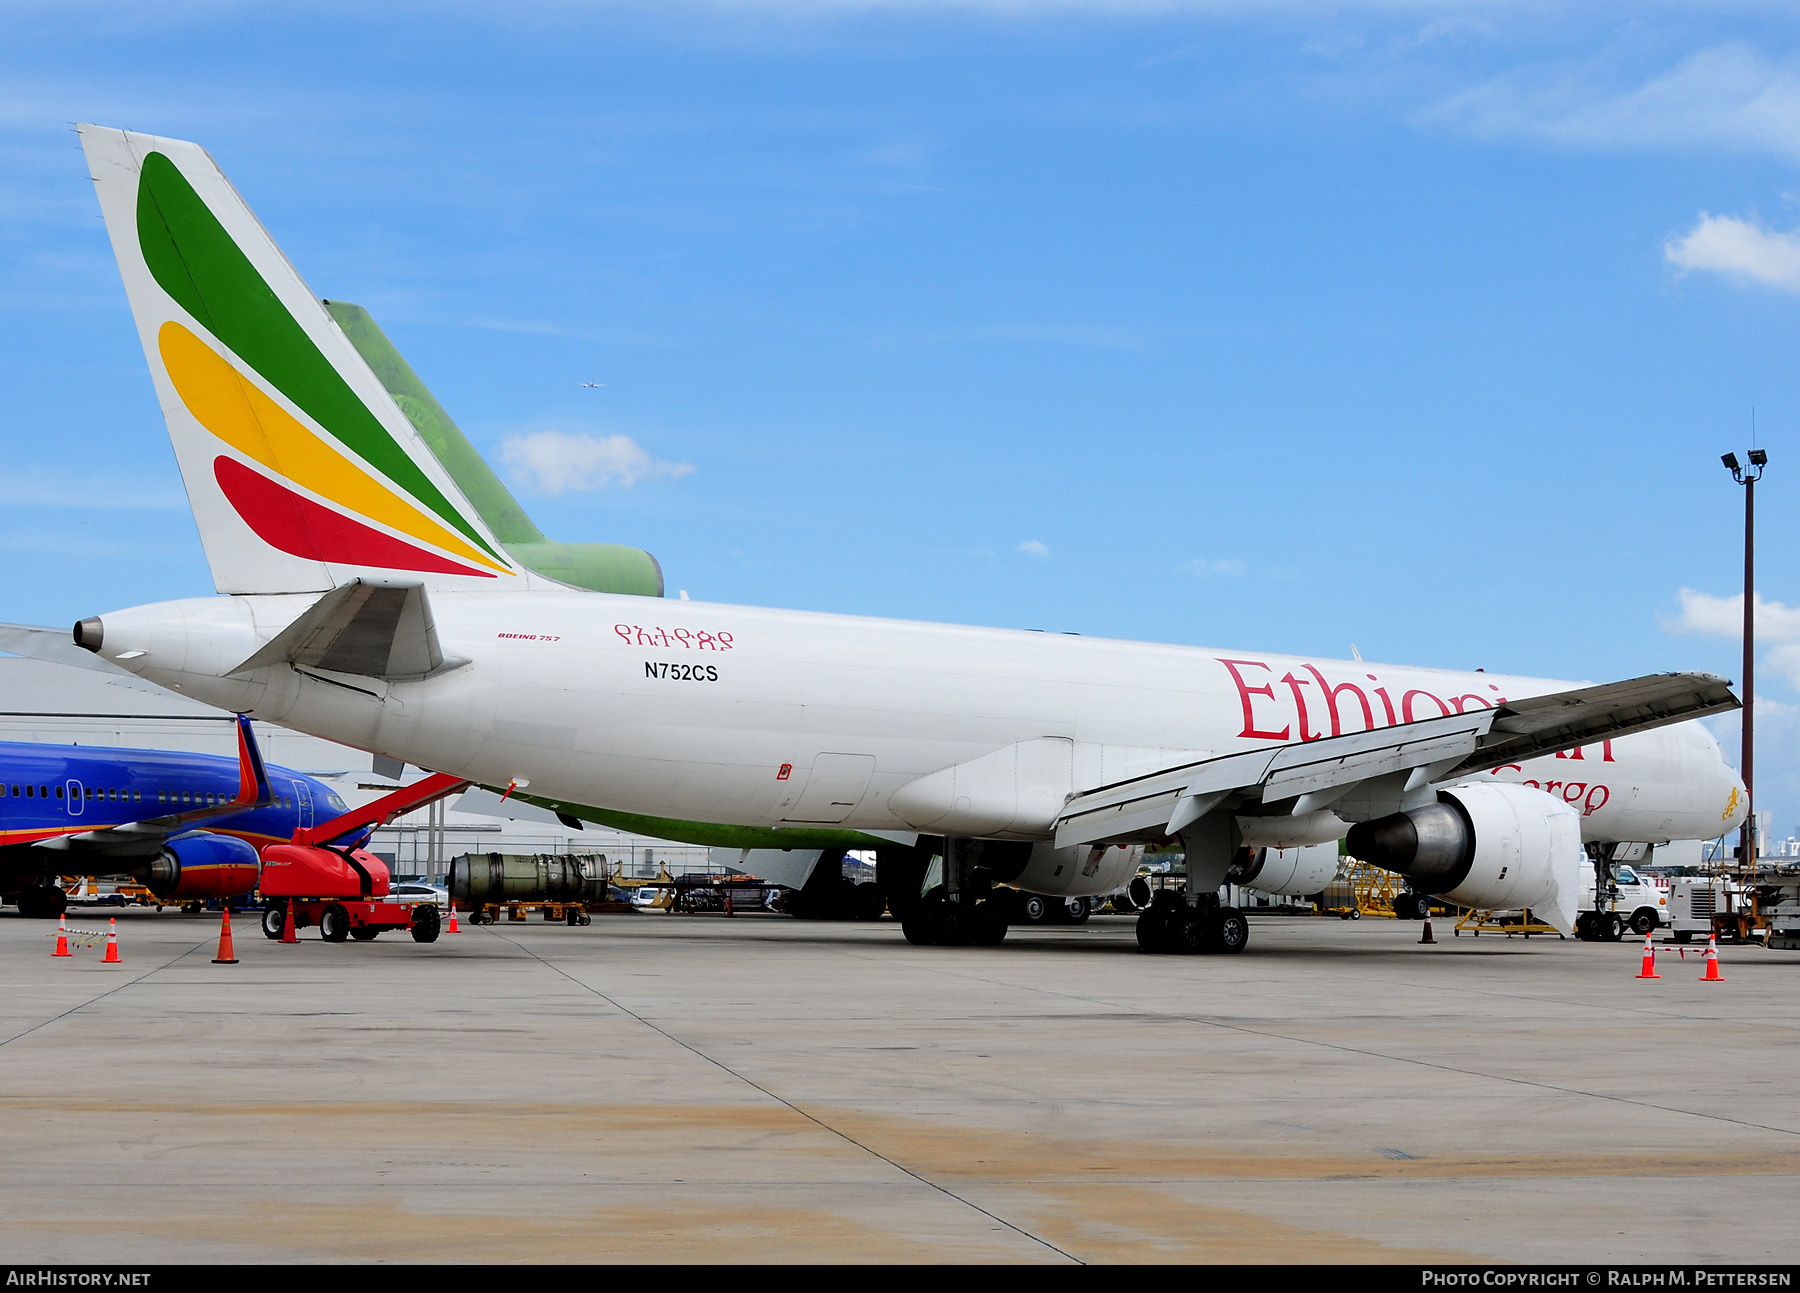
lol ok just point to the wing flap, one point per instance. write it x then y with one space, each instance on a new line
1565 720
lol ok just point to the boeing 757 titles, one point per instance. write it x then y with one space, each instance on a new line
367 596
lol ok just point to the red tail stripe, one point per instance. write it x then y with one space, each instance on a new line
298 526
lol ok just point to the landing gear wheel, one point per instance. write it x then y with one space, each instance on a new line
986 924
42 902
1643 922
1230 930
334 923
272 920
364 933
1584 927
1192 931
1077 910
1612 929
426 923
1035 909
926 924
1152 931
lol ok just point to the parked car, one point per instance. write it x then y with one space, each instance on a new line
415 891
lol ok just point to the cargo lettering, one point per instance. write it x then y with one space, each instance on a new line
1262 706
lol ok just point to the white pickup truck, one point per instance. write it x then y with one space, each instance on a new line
1635 902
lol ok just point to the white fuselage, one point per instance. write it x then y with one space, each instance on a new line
756 717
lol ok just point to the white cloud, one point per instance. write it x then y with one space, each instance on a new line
1729 96
1777 627
1034 548
1203 568
1744 250
554 461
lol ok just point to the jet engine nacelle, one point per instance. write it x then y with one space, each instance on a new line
304 871
1291 871
1079 872
483 878
1488 845
202 866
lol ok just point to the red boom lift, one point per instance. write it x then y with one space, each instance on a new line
321 878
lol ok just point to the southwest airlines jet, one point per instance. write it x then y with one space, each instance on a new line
188 826
374 591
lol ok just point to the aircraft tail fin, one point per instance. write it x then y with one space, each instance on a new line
302 472
598 567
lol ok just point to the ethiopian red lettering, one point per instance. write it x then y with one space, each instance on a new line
1245 692
1406 704
1331 695
1456 702
1550 787
1389 704
1606 752
1573 791
1294 685
1590 808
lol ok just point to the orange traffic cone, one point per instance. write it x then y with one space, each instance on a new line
226 956
112 942
1649 969
62 937
287 926
1712 974
453 928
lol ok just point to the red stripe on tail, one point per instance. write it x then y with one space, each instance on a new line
300 527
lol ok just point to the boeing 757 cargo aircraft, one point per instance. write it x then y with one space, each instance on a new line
366 598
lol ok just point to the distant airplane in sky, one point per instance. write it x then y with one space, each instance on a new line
368 598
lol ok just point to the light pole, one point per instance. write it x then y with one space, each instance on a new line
1747 477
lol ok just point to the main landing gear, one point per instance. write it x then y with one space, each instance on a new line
935 921
42 901
1173 925
963 911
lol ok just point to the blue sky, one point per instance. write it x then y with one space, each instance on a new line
1419 327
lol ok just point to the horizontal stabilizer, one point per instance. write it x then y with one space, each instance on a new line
374 629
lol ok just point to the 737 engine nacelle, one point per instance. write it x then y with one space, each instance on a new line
1298 871
1492 846
1083 871
200 866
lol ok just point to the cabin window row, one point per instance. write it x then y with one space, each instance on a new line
184 798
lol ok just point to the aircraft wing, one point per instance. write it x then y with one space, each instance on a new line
1410 756
147 836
